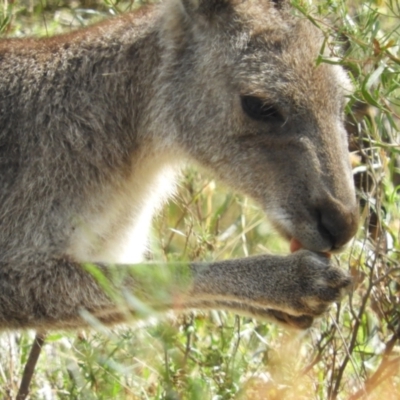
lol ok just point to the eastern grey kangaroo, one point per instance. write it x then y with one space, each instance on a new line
95 125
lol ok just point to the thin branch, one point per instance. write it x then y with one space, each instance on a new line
357 324
30 366
378 377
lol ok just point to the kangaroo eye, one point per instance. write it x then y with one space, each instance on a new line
257 109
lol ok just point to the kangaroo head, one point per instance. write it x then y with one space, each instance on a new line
251 104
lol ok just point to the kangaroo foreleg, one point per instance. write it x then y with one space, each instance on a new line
61 293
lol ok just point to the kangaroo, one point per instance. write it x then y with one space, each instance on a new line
95 126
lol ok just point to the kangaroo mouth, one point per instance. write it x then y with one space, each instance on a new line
295 245
314 243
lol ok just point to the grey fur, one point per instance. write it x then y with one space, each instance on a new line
95 124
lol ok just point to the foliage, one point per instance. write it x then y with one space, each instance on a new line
352 353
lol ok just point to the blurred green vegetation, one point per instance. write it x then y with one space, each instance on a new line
352 353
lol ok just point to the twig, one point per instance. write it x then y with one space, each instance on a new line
188 338
30 366
321 348
334 393
378 377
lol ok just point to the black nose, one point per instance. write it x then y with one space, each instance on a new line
337 223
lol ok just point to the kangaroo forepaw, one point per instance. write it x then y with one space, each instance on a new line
312 285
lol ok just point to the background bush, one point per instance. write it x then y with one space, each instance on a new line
351 353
